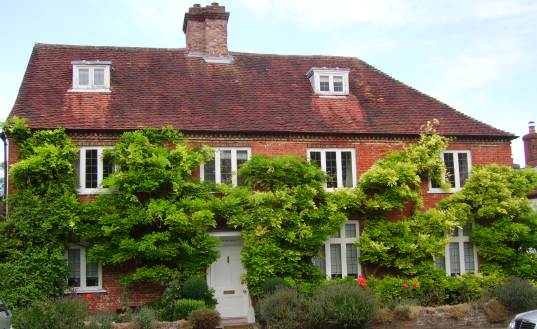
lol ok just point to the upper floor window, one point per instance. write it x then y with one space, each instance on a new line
458 165
339 257
91 76
460 254
339 165
93 168
329 81
222 169
83 275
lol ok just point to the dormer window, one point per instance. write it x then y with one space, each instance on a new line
329 81
91 76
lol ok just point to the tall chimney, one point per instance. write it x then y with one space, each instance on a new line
206 32
530 146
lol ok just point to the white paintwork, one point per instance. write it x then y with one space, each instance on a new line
91 66
82 189
224 276
234 169
315 73
338 163
458 186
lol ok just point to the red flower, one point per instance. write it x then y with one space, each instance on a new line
89 296
405 285
415 283
361 281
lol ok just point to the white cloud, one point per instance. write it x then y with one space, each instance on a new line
501 8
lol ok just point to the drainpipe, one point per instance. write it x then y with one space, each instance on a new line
4 139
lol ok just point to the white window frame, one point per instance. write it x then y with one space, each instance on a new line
83 288
91 66
338 164
315 73
82 189
217 172
460 239
342 241
458 186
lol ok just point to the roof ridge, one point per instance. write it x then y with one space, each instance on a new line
59 45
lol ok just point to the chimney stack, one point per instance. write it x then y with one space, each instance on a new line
206 32
530 146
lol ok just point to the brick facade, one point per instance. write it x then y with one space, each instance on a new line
206 30
530 146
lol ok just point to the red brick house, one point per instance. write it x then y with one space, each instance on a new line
338 111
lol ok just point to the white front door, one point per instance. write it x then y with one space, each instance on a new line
224 276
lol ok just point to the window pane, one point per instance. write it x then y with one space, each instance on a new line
467 229
352 260
73 262
350 230
338 84
108 166
92 274
450 167
242 157
98 77
315 157
463 167
91 168
83 77
225 166
469 264
440 262
346 168
324 83
335 258
331 170
320 261
454 259
209 171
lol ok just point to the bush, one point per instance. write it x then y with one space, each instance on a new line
167 299
432 289
270 285
204 318
102 321
517 294
196 288
286 308
58 313
183 308
393 290
342 306
145 318
464 289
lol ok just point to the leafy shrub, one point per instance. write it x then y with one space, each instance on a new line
204 318
342 306
270 285
393 290
145 318
102 321
183 307
403 312
166 305
57 313
432 289
517 294
464 289
286 308
196 288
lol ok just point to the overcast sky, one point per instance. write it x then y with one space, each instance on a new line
478 56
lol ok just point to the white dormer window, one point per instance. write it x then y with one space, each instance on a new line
329 81
91 76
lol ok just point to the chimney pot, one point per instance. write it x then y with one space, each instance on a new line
530 145
531 126
206 30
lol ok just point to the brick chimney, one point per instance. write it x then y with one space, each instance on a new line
530 146
206 32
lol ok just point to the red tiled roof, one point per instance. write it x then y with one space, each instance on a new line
257 93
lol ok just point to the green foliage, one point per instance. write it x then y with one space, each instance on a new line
518 295
464 289
284 224
286 308
44 215
271 284
204 318
56 313
183 308
157 218
342 306
145 318
505 229
196 288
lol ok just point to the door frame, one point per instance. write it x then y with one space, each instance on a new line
233 236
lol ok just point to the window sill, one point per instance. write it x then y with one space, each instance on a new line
89 90
91 191
332 95
84 290
442 191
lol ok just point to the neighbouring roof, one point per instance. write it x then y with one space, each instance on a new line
153 87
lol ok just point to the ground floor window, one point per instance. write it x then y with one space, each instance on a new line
460 254
83 274
339 256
